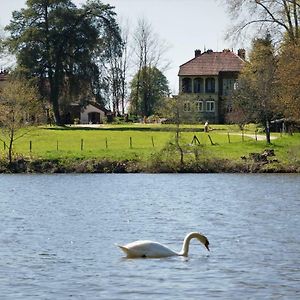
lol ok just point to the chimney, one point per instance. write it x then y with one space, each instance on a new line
242 53
197 52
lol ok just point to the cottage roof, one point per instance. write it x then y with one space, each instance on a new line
212 63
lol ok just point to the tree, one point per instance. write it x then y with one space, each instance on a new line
175 110
288 80
20 108
65 47
149 53
256 94
118 73
148 87
274 16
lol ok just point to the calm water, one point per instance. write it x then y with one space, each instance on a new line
57 235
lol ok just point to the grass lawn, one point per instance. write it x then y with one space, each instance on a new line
122 142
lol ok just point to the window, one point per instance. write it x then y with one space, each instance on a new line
228 86
197 85
186 85
210 85
229 108
210 106
199 105
186 106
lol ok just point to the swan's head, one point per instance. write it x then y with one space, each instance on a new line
203 239
206 244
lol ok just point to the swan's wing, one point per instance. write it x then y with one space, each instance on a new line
146 249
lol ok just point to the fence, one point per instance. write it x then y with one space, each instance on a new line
133 143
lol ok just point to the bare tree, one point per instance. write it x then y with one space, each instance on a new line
118 74
179 110
20 108
278 17
148 51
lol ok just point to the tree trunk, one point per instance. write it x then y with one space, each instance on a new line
55 83
54 92
268 135
178 145
11 140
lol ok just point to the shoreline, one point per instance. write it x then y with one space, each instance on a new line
92 166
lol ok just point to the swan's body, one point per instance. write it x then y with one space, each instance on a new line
150 249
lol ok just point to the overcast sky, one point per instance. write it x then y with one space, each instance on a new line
185 25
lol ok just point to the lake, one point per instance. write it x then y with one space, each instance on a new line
58 235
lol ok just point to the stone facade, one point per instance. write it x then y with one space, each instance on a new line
211 77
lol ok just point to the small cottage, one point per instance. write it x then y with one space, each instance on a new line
91 113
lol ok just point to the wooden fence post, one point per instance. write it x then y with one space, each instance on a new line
256 135
243 135
56 145
81 145
195 140
210 140
30 146
130 142
106 143
228 137
152 141
4 146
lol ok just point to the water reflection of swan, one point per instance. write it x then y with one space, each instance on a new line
149 249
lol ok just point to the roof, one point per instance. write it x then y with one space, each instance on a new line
212 63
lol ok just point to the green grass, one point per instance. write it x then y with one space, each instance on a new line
56 142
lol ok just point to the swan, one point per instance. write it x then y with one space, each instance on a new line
150 249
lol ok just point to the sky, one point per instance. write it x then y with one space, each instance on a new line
185 25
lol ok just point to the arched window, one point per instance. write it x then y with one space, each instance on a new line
186 85
198 85
210 85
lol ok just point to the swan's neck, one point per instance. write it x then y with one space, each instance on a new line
186 243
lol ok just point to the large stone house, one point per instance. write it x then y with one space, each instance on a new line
208 80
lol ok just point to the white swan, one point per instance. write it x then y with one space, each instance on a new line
149 249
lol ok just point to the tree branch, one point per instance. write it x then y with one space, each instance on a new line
275 20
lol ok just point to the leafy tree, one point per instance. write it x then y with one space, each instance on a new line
65 47
256 93
20 108
148 87
288 80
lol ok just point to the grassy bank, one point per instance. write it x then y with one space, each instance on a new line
149 148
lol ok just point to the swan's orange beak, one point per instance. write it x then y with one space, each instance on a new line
206 245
